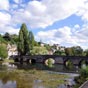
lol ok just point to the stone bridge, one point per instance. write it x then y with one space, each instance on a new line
76 60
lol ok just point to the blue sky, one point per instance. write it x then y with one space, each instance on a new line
63 22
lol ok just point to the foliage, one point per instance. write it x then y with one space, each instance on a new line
84 72
82 78
2 40
49 62
36 43
7 36
77 51
23 41
74 51
14 39
83 64
59 52
69 51
69 64
3 51
86 52
48 47
39 51
31 40
8 61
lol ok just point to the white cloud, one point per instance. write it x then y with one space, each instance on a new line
65 36
46 12
6 25
9 29
83 11
4 4
5 18
18 1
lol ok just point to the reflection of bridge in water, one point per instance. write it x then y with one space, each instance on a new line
76 60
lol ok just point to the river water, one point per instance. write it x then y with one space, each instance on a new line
8 82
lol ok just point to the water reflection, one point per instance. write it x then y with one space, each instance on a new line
40 66
15 80
8 84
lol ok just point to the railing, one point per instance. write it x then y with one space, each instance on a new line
84 85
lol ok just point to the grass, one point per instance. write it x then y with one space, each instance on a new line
8 60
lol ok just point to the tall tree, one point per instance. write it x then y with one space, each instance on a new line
31 40
23 44
69 51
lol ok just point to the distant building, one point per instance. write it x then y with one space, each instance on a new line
56 47
12 50
42 44
62 48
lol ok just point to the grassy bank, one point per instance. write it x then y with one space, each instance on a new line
8 60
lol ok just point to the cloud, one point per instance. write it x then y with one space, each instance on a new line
44 13
4 4
83 11
65 36
5 18
6 25
9 29
18 1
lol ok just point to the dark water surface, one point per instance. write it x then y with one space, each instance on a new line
9 79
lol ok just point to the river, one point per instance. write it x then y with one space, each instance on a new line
10 80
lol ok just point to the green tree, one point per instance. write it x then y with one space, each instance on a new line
23 41
48 47
77 50
14 38
69 51
31 40
59 52
86 52
39 51
3 51
7 36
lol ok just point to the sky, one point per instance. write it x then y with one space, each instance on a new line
63 22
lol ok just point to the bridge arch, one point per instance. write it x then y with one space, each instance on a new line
49 61
68 63
81 62
32 61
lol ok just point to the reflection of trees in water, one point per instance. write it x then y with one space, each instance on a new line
21 80
26 79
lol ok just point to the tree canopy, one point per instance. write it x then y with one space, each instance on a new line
23 40
3 51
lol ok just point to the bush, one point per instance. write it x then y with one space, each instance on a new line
49 62
84 72
83 64
69 64
82 78
3 51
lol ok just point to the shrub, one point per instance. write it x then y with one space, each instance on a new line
69 64
49 62
84 72
3 51
83 64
